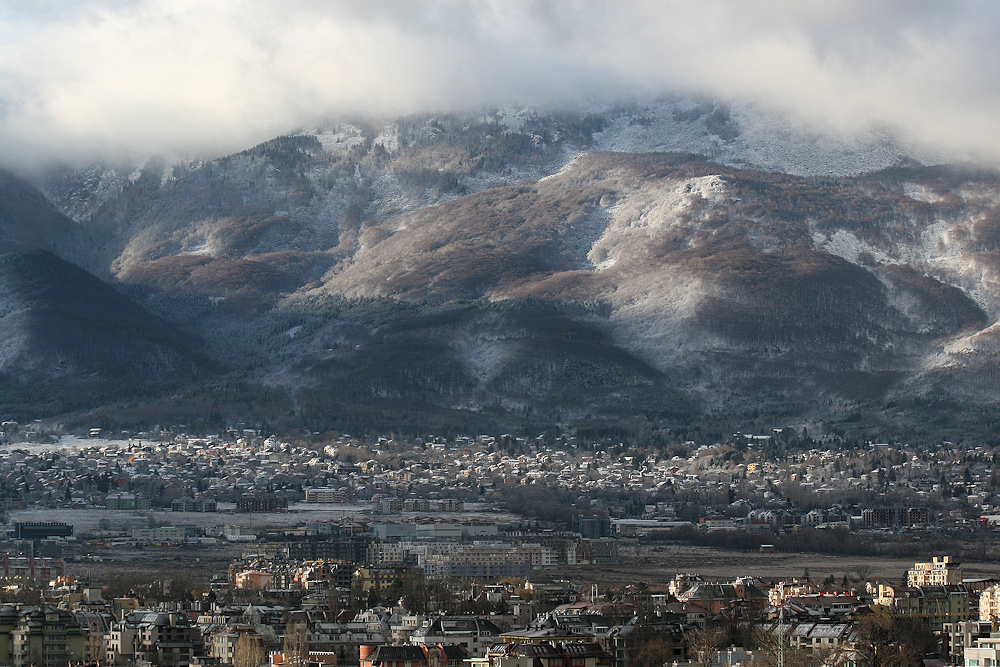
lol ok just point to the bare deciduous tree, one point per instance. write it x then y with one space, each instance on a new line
703 646
249 651
296 646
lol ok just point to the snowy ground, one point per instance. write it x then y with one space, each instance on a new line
73 443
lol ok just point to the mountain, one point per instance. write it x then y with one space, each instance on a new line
70 342
739 292
677 264
28 221
312 191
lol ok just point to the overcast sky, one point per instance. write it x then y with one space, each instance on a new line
79 79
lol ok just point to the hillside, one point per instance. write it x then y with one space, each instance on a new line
724 284
29 221
314 189
502 268
71 342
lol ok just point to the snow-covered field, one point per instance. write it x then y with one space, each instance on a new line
73 443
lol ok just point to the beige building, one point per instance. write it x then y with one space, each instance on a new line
989 604
46 637
941 571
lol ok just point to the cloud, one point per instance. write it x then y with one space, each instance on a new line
80 80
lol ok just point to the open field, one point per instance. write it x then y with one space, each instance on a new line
197 565
639 564
649 563
96 521
657 565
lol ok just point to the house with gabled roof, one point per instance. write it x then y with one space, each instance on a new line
402 655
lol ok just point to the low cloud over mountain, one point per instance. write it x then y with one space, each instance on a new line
92 80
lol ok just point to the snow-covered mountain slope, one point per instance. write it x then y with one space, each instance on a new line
517 257
701 265
312 189
742 134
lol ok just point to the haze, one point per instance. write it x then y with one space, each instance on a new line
89 80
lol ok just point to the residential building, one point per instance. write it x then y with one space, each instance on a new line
325 495
126 501
46 637
814 636
941 571
474 633
545 654
413 656
165 639
989 604
479 562
15 567
985 653
224 642
194 505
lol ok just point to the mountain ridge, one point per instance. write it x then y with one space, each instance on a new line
506 264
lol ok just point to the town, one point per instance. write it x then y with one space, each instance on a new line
162 548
